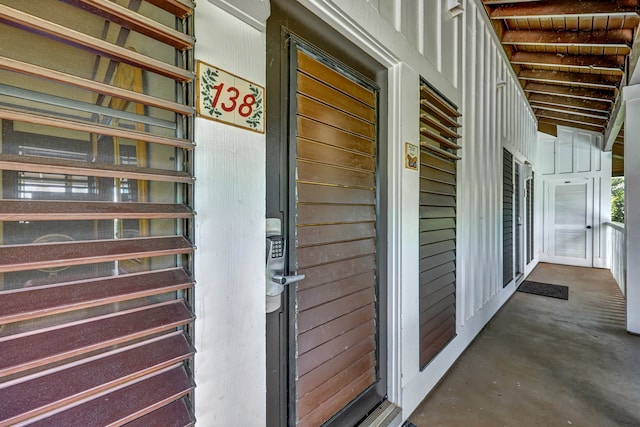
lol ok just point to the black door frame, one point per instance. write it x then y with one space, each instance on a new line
292 24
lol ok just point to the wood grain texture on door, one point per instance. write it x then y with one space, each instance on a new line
335 226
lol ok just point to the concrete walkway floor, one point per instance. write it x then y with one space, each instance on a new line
546 362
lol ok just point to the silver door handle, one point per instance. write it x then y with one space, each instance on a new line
285 280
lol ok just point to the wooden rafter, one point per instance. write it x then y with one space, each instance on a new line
565 8
572 92
571 117
577 62
570 124
563 77
604 115
580 104
621 39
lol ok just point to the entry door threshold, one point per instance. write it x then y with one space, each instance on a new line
386 414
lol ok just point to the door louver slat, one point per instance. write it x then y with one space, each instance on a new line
96 217
437 238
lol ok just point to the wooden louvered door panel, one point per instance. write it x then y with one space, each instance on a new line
335 240
96 219
507 217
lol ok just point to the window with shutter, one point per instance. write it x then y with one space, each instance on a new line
507 217
438 148
96 215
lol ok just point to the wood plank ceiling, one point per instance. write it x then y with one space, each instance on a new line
570 57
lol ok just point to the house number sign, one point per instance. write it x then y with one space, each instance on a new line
227 98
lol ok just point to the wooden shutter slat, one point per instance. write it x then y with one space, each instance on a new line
28 351
320 132
328 95
333 233
436 100
445 131
429 288
321 275
20 163
179 8
333 367
309 172
310 401
325 254
330 330
436 248
439 319
429 160
439 151
438 139
47 120
100 47
429 108
51 255
74 382
327 214
315 110
316 316
315 68
28 210
322 153
309 298
132 401
318 193
176 411
431 351
33 70
332 348
127 18
31 303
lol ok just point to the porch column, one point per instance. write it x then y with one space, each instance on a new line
632 203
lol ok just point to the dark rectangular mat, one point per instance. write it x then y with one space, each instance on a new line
544 289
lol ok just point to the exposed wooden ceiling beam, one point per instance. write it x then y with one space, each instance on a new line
621 39
571 118
583 80
499 2
572 92
567 109
581 104
565 9
578 62
570 124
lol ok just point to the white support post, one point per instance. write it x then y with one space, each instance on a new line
632 204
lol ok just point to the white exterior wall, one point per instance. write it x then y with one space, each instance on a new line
463 59
230 363
576 154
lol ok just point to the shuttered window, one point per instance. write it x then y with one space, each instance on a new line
530 226
438 148
96 225
507 217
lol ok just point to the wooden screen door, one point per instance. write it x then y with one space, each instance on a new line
568 222
322 166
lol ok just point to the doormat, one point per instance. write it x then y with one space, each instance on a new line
544 289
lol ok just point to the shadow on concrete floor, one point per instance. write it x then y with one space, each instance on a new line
546 362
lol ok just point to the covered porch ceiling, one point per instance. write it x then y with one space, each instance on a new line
572 57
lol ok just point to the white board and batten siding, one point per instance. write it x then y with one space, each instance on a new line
462 58
575 156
